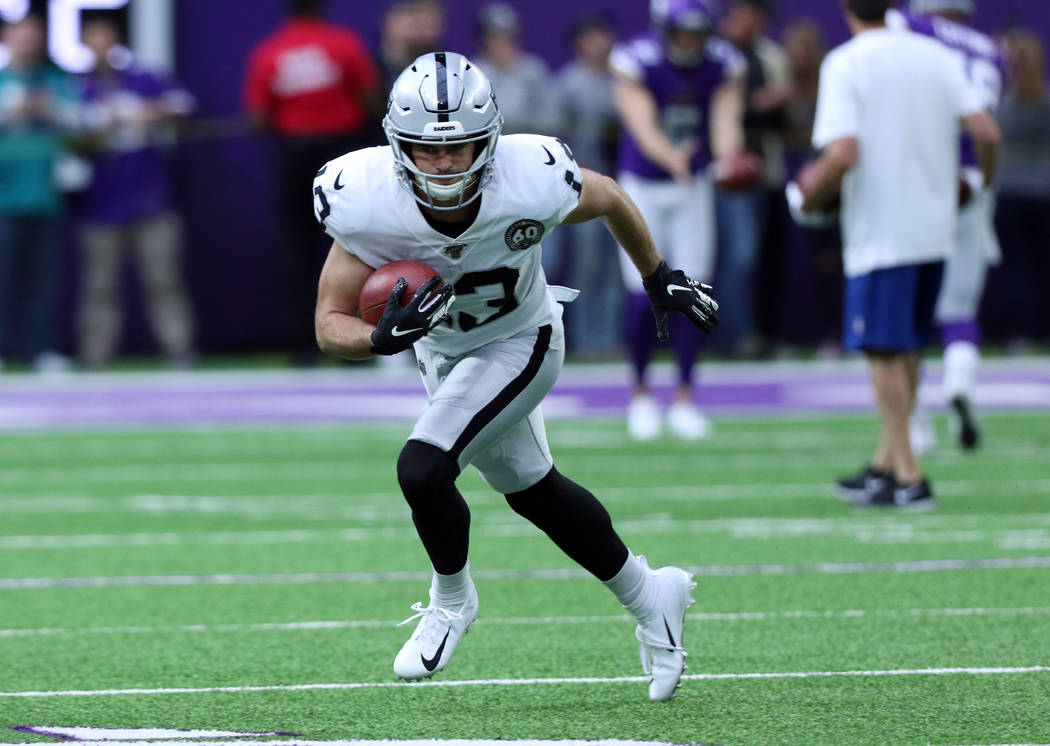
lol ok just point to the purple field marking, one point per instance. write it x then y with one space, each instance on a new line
378 395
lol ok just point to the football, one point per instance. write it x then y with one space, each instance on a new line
377 287
737 172
805 179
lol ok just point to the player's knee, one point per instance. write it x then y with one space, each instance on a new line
421 467
557 504
534 500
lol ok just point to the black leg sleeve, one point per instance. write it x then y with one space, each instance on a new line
575 520
427 476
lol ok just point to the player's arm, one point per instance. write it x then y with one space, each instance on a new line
601 197
669 290
727 118
339 331
641 116
826 184
986 140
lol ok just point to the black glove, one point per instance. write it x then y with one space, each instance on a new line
670 290
399 328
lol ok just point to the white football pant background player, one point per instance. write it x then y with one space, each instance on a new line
976 243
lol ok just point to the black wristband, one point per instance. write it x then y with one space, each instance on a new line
661 271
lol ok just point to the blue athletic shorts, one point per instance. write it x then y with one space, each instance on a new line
891 310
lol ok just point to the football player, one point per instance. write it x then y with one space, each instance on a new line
976 245
680 94
449 191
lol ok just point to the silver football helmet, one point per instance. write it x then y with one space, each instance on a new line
443 97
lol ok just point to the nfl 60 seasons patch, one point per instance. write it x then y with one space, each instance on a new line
523 233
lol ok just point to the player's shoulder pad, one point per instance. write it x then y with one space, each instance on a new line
725 54
345 188
630 57
542 166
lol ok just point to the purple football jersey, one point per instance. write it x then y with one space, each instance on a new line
131 174
985 64
683 96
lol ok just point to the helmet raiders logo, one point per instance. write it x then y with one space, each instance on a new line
523 233
454 250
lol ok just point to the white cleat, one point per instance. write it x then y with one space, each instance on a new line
430 647
660 636
687 421
643 418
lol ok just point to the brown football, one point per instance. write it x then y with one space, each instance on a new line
376 290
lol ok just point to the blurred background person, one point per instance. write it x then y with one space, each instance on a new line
315 86
581 255
409 28
890 112
128 204
1023 212
810 259
679 91
743 215
976 245
37 102
521 80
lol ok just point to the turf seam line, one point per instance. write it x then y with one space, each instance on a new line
970 671
738 616
227 579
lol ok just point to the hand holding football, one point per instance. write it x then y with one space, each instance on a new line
737 172
376 290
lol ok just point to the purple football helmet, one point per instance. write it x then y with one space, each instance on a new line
926 7
687 15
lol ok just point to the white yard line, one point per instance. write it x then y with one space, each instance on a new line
1012 532
373 505
302 471
701 617
606 442
228 579
970 671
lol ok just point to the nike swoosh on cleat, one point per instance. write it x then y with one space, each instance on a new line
551 161
337 185
402 332
431 664
671 289
669 635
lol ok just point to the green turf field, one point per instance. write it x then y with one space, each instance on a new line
260 573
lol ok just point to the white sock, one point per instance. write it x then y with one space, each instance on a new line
960 369
633 585
450 591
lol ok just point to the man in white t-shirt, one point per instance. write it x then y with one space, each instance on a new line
888 118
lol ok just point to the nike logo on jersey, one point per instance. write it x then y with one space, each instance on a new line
672 289
550 156
431 663
395 332
337 185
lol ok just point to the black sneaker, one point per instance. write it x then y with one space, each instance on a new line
963 422
857 486
916 496
888 493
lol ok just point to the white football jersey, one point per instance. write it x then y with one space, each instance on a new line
494 265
